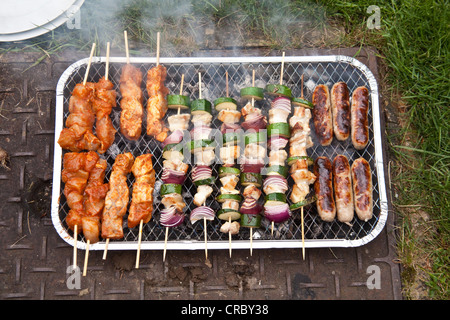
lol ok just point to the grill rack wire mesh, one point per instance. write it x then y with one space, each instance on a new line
189 236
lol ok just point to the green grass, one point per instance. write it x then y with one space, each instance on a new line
413 43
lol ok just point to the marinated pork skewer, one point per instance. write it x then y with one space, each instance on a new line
117 198
78 132
132 99
103 102
157 102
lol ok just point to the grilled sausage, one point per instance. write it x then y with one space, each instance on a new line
340 106
360 118
343 191
323 119
323 187
362 189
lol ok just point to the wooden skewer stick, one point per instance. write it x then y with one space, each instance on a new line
282 69
89 64
199 85
138 254
181 90
108 45
106 77
226 76
86 257
302 87
165 244
127 53
229 234
271 227
75 236
251 241
205 232
158 37
253 84
303 235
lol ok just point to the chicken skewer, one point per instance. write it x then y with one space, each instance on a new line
203 150
275 185
299 160
132 99
228 175
252 161
174 169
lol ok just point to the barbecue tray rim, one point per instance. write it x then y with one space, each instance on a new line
236 244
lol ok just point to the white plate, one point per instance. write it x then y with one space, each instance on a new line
24 19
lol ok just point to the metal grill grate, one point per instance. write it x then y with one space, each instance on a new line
213 72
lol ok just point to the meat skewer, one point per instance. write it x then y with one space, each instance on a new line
117 198
132 99
157 102
78 134
174 169
203 149
94 203
300 141
103 102
252 161
276 209
228 175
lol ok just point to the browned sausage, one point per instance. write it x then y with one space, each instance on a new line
360 118
323 119
340 106
343 191
323 187
362 189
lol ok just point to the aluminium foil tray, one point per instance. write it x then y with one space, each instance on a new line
327 70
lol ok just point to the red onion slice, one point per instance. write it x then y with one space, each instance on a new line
277 143
250 206
171 217
229 127
276 181
202 212
282 103
201 172
255 122
277 213
174 137
173 176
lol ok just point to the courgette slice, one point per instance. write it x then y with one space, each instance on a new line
200 105
281 129
225 171
278 90
207 181
291 160
223 197
303 203
251 220
255 137
277 196
169 188
231 138
175 101
195 145
248 178
252 92
225 103
226 214
299 102
276 169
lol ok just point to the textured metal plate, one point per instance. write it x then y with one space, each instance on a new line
316 70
